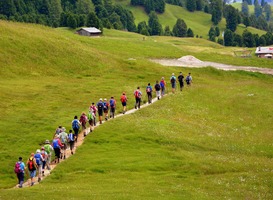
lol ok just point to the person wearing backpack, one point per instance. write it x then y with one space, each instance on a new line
44 155
32 166
63 138
71 141
181 80
138 95
173 82
48 149
90 118
76 126
83 120
149 91
189 80
58 131
94 108
19 169
112 103
162 86
39 161
123 100
57 145
157 90
100 106
105 109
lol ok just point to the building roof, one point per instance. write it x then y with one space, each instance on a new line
91 30
264 50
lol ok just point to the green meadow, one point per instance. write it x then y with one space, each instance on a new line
211 141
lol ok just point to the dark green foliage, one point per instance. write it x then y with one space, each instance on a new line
142 26
220 41
262 41
248 39
149 6
257 9
216 11
101 12
199 5
228 38
256 39
167 31
237 40
137 2
190 33
212 34
180 28
231 18
92 20
246 21
206 9
191 5
245 9
71 21
114 18
217 31
268 12
154 26
97 2
262 3
262 24
83 7
7 8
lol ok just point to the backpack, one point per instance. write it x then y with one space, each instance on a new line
180 78
172 79
162 84
112 103
123 98
55 144
47 148
82 119
63 138
188 79
43 154
37 157
90 116
17 168
75 124
70 137
31 165
137 94
148 89
100 105
157 87
105 106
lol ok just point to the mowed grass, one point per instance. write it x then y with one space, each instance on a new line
213 140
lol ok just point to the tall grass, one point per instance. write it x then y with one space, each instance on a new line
212 141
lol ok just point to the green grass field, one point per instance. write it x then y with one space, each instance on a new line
212 141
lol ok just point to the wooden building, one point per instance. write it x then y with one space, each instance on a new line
92 31
264 52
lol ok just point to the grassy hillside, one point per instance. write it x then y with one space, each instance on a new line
239 7
199 22
212 141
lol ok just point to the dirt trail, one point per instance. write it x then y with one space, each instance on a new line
191 61
79 143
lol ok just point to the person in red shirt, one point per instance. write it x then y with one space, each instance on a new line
123 100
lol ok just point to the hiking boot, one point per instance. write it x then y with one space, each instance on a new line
20 186
43 173
135 107
106 118
32 184
71 152
157 98
123 112
39 179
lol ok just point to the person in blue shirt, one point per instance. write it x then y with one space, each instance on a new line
173 82
149 91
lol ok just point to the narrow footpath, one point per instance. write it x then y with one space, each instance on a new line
79 143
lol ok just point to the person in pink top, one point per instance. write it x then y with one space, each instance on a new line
94 108
162 86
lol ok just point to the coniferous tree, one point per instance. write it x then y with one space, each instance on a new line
245 9
246 21
84 6
92 20
217 31
149 6
228 38
248 40
231 18
180 28
167 31
55 10
190 33
216 11
154 26
257 9
7 8
191 5
143 28
71 21
268 12
199 5
262 3
212 34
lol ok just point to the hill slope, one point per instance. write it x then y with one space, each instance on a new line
212 141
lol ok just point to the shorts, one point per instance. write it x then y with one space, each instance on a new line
173 85
124 103
100 112
32 174
105 111
64 146
91 122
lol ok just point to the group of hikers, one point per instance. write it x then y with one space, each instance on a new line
41 160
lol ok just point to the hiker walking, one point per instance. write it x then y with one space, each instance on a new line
32 166
71 141
173 82
57 131
181 80
76 126
44 155
100 106
48 149
189 80
123 100
19 169
157 90
63 138
94 108
83 120
138 95
112 103
90 118
39 161
162 86
56 143
105 109
149 91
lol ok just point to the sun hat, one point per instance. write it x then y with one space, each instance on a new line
105 99
47 142
42 148
63 129
100 99
38 151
